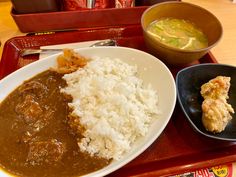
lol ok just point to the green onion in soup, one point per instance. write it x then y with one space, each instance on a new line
178 33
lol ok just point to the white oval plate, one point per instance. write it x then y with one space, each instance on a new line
150 69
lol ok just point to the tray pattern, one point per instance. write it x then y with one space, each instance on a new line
179 148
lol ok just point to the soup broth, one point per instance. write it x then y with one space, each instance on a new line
178 33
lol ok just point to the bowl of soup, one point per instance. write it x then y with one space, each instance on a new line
180 33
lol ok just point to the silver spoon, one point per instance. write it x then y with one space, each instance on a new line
24 52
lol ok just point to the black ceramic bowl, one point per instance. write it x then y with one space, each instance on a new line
188 83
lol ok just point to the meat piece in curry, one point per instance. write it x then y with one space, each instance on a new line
36 138
29 109
49 151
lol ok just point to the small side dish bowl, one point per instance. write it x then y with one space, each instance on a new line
200 17
189 82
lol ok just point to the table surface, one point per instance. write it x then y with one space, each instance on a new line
224 10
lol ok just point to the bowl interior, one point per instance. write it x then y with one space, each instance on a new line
189 81
202 18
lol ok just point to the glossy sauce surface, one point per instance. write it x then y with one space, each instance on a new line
36 137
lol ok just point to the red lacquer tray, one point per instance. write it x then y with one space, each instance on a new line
178 149
61 20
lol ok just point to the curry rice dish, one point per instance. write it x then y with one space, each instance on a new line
40 137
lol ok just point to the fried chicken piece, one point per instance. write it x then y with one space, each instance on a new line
216 110
216 88
216 114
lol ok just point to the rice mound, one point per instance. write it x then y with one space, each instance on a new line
112 104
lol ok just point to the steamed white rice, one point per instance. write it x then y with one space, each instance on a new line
113 105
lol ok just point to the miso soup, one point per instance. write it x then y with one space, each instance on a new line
178 33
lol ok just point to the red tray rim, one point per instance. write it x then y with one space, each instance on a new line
13 12
222 157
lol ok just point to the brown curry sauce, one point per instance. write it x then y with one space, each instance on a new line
35 137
